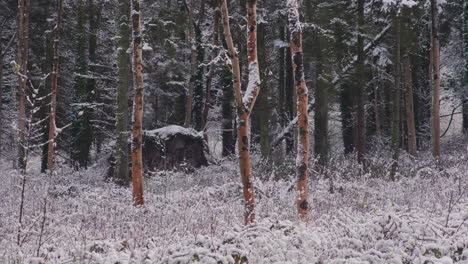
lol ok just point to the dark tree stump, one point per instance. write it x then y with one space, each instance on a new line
174 147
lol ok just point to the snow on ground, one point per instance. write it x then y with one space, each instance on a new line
197 217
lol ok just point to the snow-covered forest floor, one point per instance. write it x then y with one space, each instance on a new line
196 217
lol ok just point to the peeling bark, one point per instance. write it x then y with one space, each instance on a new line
302 159
137 149
244 104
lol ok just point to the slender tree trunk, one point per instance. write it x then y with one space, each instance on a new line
209 80
23 47
360 126
137 134
302 106
289 138
193 67
321 111
281 82
436 80
123 84
261 116
2 56
229 142
198 90
1 104
465 53
246 103
82 129
346 107
53 104
396 99
227 109
410 107
44 112
378 132
94 10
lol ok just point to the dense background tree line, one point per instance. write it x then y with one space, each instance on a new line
367 63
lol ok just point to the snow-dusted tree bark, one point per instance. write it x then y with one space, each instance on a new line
137 134
23 47
465 52
396 98
244 103
435 111
410 106
53 103
124 82
302 159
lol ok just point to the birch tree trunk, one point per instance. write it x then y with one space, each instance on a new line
23 46
137 148
123 84
396 99
435 80
53 103
245 103
302 159
410 107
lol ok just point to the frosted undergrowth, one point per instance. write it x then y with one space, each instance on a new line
196 218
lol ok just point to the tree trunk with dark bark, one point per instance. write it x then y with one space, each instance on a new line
465 53
410 107
124 82
193 66
23 47
53 103
1 103
359 95
209 79
396 99
435 81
